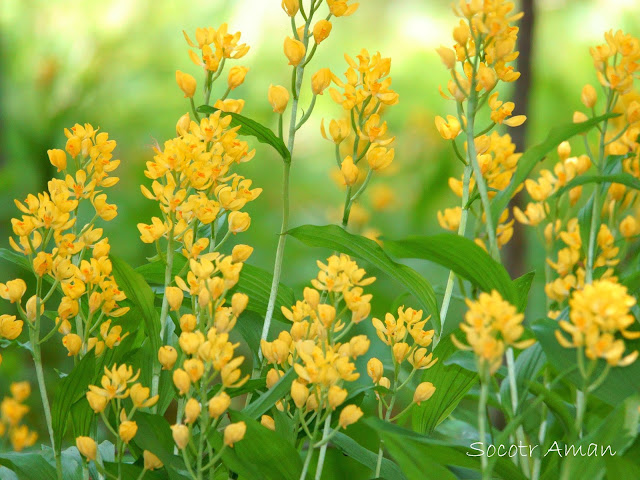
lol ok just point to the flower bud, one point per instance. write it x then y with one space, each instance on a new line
241 253
349 171
629 227
192 410
181 380
349 415
190 341
151 462
239 222
268 422
239 302
188 322
234 433
564 150
290 7
320 81
321 30
174 296
312 297
278 97
167 356
194 368
400 351
579 117
14 290
127 430
73 343
338 129
448 129
375 369
58 159
186 83
180 435
219 404
336 396
236 76
96 401
447 56
299 393
294 50
87 447
10 328
423 392
385 382
273 376
182 125
589 96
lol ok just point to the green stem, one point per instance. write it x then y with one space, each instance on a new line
307 460
513 389
323 449
482 421
164 312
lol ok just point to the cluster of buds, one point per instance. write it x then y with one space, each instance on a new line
316 345
396 333
73 258
597 314
216 47
12 413
491 325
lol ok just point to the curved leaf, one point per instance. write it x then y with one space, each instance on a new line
462 256
532 156
336 238
28 466
252 128
265 401
389 470
623 178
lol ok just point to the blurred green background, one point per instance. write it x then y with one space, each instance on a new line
112 64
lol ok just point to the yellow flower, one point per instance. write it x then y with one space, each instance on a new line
174 296
10 328
278 97
449 219
96 401
379 158
58 159
338 129
349 415
186 83
448 129
294 50
241 253
320 81
589 96
167 356
375 369
87 447
20 391
236 76
239 222
291 7
268 422
180 435
629 227
73 343
349 171
127 430
192 410
234 432
321 30
140 396
151 462
423 392
447 56
219 404
336 396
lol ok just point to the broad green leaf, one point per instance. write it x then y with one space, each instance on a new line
621 382
462 256
28 466
266 450
452 382
532 156
556 404
15 258
623 178
71 389
618 430
265 401
154 434
522 286
140 295
351 448
421 457
253 281
336 238
254 129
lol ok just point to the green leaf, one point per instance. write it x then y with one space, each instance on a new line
71 389
421 457
28 466
265 401
154 434
389 470
623 178
522 286
336 238
532 156
141 296
621 382
618 430
254 129
15 258
265 449
462 256
452 382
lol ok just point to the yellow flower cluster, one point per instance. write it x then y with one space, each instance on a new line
74 258
396 332
598 313
193 185
12 412
216 47
617 61
313 346
491 325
